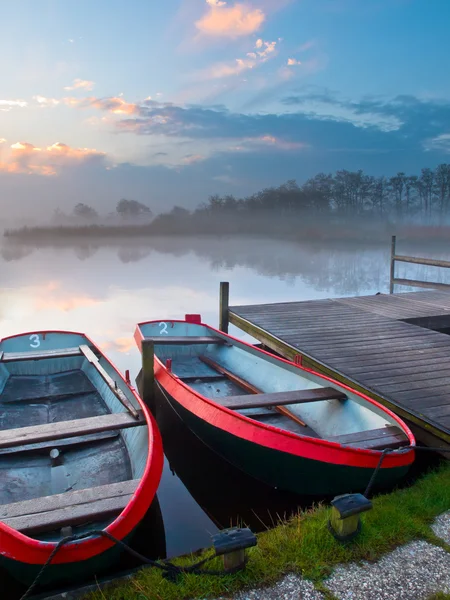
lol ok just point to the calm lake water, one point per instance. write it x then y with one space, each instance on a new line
105 290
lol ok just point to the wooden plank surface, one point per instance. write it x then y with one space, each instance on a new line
374 439
280 398
184 340
93 359
71 508
370 340
64 429
38 355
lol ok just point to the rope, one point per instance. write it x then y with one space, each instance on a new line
387 451
170 571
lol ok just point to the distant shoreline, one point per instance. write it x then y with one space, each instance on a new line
357 232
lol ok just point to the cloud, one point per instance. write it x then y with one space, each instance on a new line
292 62
189 159
46 102
80 84
239 65
7 105
3 140
222 20
28 159
114 105
440 142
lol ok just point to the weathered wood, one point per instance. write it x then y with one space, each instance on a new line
373 439
251 389
148 372
422 284
281 398
69 509
431 262
90 356
224 306
184 340
64 429
39 355
392 270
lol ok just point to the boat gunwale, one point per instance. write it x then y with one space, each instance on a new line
395 458
19 547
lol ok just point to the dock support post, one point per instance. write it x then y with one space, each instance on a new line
224 304
392 274
148 372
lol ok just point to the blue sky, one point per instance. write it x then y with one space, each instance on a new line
170 102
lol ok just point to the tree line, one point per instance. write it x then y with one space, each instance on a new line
424 197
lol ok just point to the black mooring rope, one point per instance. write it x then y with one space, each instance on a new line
387 451
170 570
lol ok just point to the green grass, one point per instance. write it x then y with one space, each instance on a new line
304 545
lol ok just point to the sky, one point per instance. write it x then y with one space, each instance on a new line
170 102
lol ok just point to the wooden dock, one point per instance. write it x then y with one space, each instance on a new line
390 346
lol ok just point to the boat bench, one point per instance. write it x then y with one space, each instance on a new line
183 340
374 439
49 513
11 438
280 398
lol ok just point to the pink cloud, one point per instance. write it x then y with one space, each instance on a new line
81 84
28 159
239 65
237 20
114 105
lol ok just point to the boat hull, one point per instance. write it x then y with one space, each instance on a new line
283 470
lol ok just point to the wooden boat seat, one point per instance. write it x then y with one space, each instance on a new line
280 398
184 340
374 439
64 429
38 355
50 513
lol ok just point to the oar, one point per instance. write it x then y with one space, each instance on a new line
248 387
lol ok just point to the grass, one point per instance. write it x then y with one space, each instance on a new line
304 545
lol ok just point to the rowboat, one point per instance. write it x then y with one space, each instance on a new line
79 452
279 422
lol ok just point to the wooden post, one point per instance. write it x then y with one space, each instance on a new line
148 372
224 304
392 275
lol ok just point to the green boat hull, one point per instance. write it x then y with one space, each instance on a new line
284 471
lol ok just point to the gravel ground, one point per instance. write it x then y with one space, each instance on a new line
441 527
291 587
411 572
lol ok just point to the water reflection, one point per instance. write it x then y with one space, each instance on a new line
337 267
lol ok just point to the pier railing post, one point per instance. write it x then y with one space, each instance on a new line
224 305
148 372
392 273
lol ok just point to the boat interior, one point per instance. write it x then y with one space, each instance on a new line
270 391
71 454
